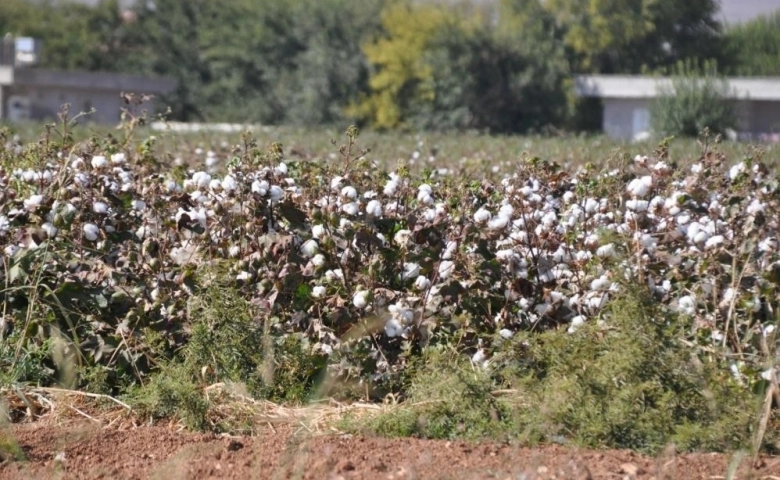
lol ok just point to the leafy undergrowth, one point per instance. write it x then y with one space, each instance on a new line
628 307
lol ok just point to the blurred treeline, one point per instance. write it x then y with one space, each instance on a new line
497 65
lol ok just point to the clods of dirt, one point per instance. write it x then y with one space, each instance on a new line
84 451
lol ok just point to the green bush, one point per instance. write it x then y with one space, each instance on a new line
693 102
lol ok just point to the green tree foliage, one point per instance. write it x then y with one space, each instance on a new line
697 99
627 36
442 68
755 46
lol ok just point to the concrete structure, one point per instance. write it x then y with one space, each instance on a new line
627 99
37 94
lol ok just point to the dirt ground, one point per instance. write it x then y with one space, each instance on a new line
81 450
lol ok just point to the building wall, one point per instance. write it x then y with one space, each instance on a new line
46 102
625 118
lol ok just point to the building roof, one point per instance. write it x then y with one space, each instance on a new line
85 80
637 86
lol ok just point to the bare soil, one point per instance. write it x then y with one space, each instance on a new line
83 450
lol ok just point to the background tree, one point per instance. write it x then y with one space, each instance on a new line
755 46
628 36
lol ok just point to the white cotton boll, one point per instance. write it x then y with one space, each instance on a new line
118 157
736 171
768 245
637 205
478 357
374 208
498 223
276 193
333 275
411 270
318 260
505 333
686 305
648 242
318 291
344 224
360 299
77 163
424 198
100 207
583 256
481 216
234 251
243 276
422 283
576 323
506 210
607 250
91 231
601 283
351 208
700 237
714 242
280 169
33 201
201 179
639 187
30 176
425 188
317 231
591 205
755 207
391 187
51 230
310 248
215 185
569 197
449 251
393 328
260 187
229 183
402 237
98 161
138 205
592 240
349 192
446 268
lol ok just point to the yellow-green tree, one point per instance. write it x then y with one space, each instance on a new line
402 73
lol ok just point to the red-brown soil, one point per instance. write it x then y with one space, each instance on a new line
81 450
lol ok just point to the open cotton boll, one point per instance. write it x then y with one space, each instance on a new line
280 169
351 208
317 231
349 192
601 283
482 215
736 170
229 183
446 268
422 283
498 223
260 187
576 323
98 161
639 187
360 299
755 207
91 231
637 205
276 193
402 237
318 260
393 328
768 245
310 248
607 250
201 179
411 270
33 201
686 305
118 157
318 291
714 242
100 207
391 187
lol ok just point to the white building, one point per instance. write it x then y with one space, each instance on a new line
627 100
